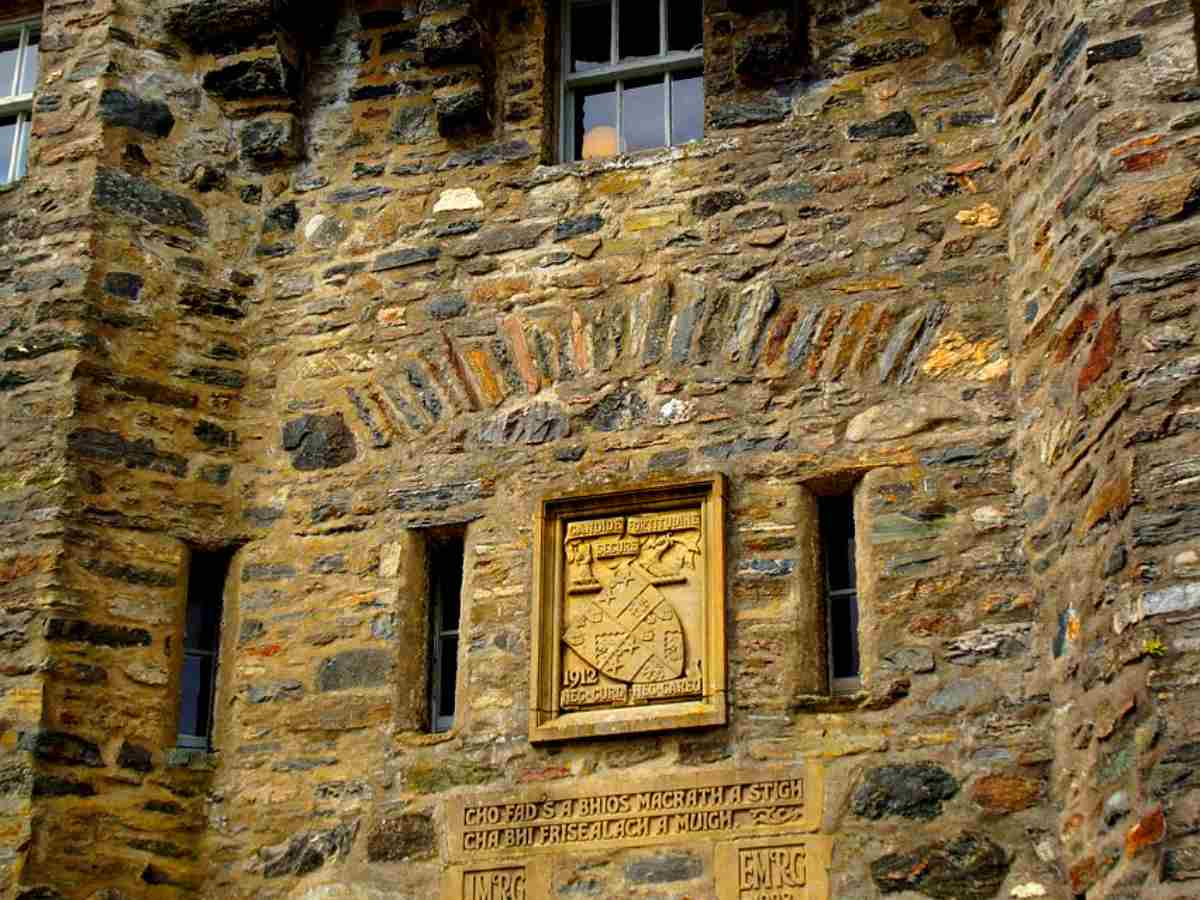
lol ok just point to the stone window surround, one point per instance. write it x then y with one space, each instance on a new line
565 82
18 104
412 680
813 668
224 686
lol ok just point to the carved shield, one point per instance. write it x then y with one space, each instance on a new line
629 632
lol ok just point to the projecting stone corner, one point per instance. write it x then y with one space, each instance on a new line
911 791
967 867
319 442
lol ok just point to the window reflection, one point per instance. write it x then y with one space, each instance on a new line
643 114
687 108
596 122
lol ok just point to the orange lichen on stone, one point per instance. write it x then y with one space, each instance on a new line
1112 500
1104 350
955 354
983 216
1149 831
1003 794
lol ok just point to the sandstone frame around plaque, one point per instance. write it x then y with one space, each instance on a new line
629 610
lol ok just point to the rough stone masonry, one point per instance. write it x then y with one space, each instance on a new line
309 280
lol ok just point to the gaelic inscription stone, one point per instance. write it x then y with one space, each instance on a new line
629 613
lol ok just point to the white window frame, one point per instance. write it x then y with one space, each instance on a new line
20 105
616 72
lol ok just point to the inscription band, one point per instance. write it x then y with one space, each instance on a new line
733 803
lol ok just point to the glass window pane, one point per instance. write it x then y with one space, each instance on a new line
685 25
24 130
639 28
29 71
591 35
843 626
837 533
8 136
10 48
447 575
596 122
687 108
195 695
643 108
447 677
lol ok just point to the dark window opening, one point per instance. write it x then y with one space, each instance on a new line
446 556
207 573
841 590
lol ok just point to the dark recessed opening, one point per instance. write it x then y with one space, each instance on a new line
841 588
207 573
446 554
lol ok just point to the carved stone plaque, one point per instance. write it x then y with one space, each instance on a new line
629 612
500 881
605 812
782 868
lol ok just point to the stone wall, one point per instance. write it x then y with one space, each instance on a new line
1100 100
314 284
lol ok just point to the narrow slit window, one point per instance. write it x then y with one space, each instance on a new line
841 591
207 574
446 555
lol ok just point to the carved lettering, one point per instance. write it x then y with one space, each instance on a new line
495 884
680 521
609 549
711 809
771 868
609 695
595 528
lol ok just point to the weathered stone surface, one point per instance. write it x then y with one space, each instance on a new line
1001 794
355 669
664 868
75 631
271 139
248 79
308 852
534 424
125 194
401 839
966 867
123 109
893 125
103 446
989 642
462 111
63 749
446 41
912 791
319 442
